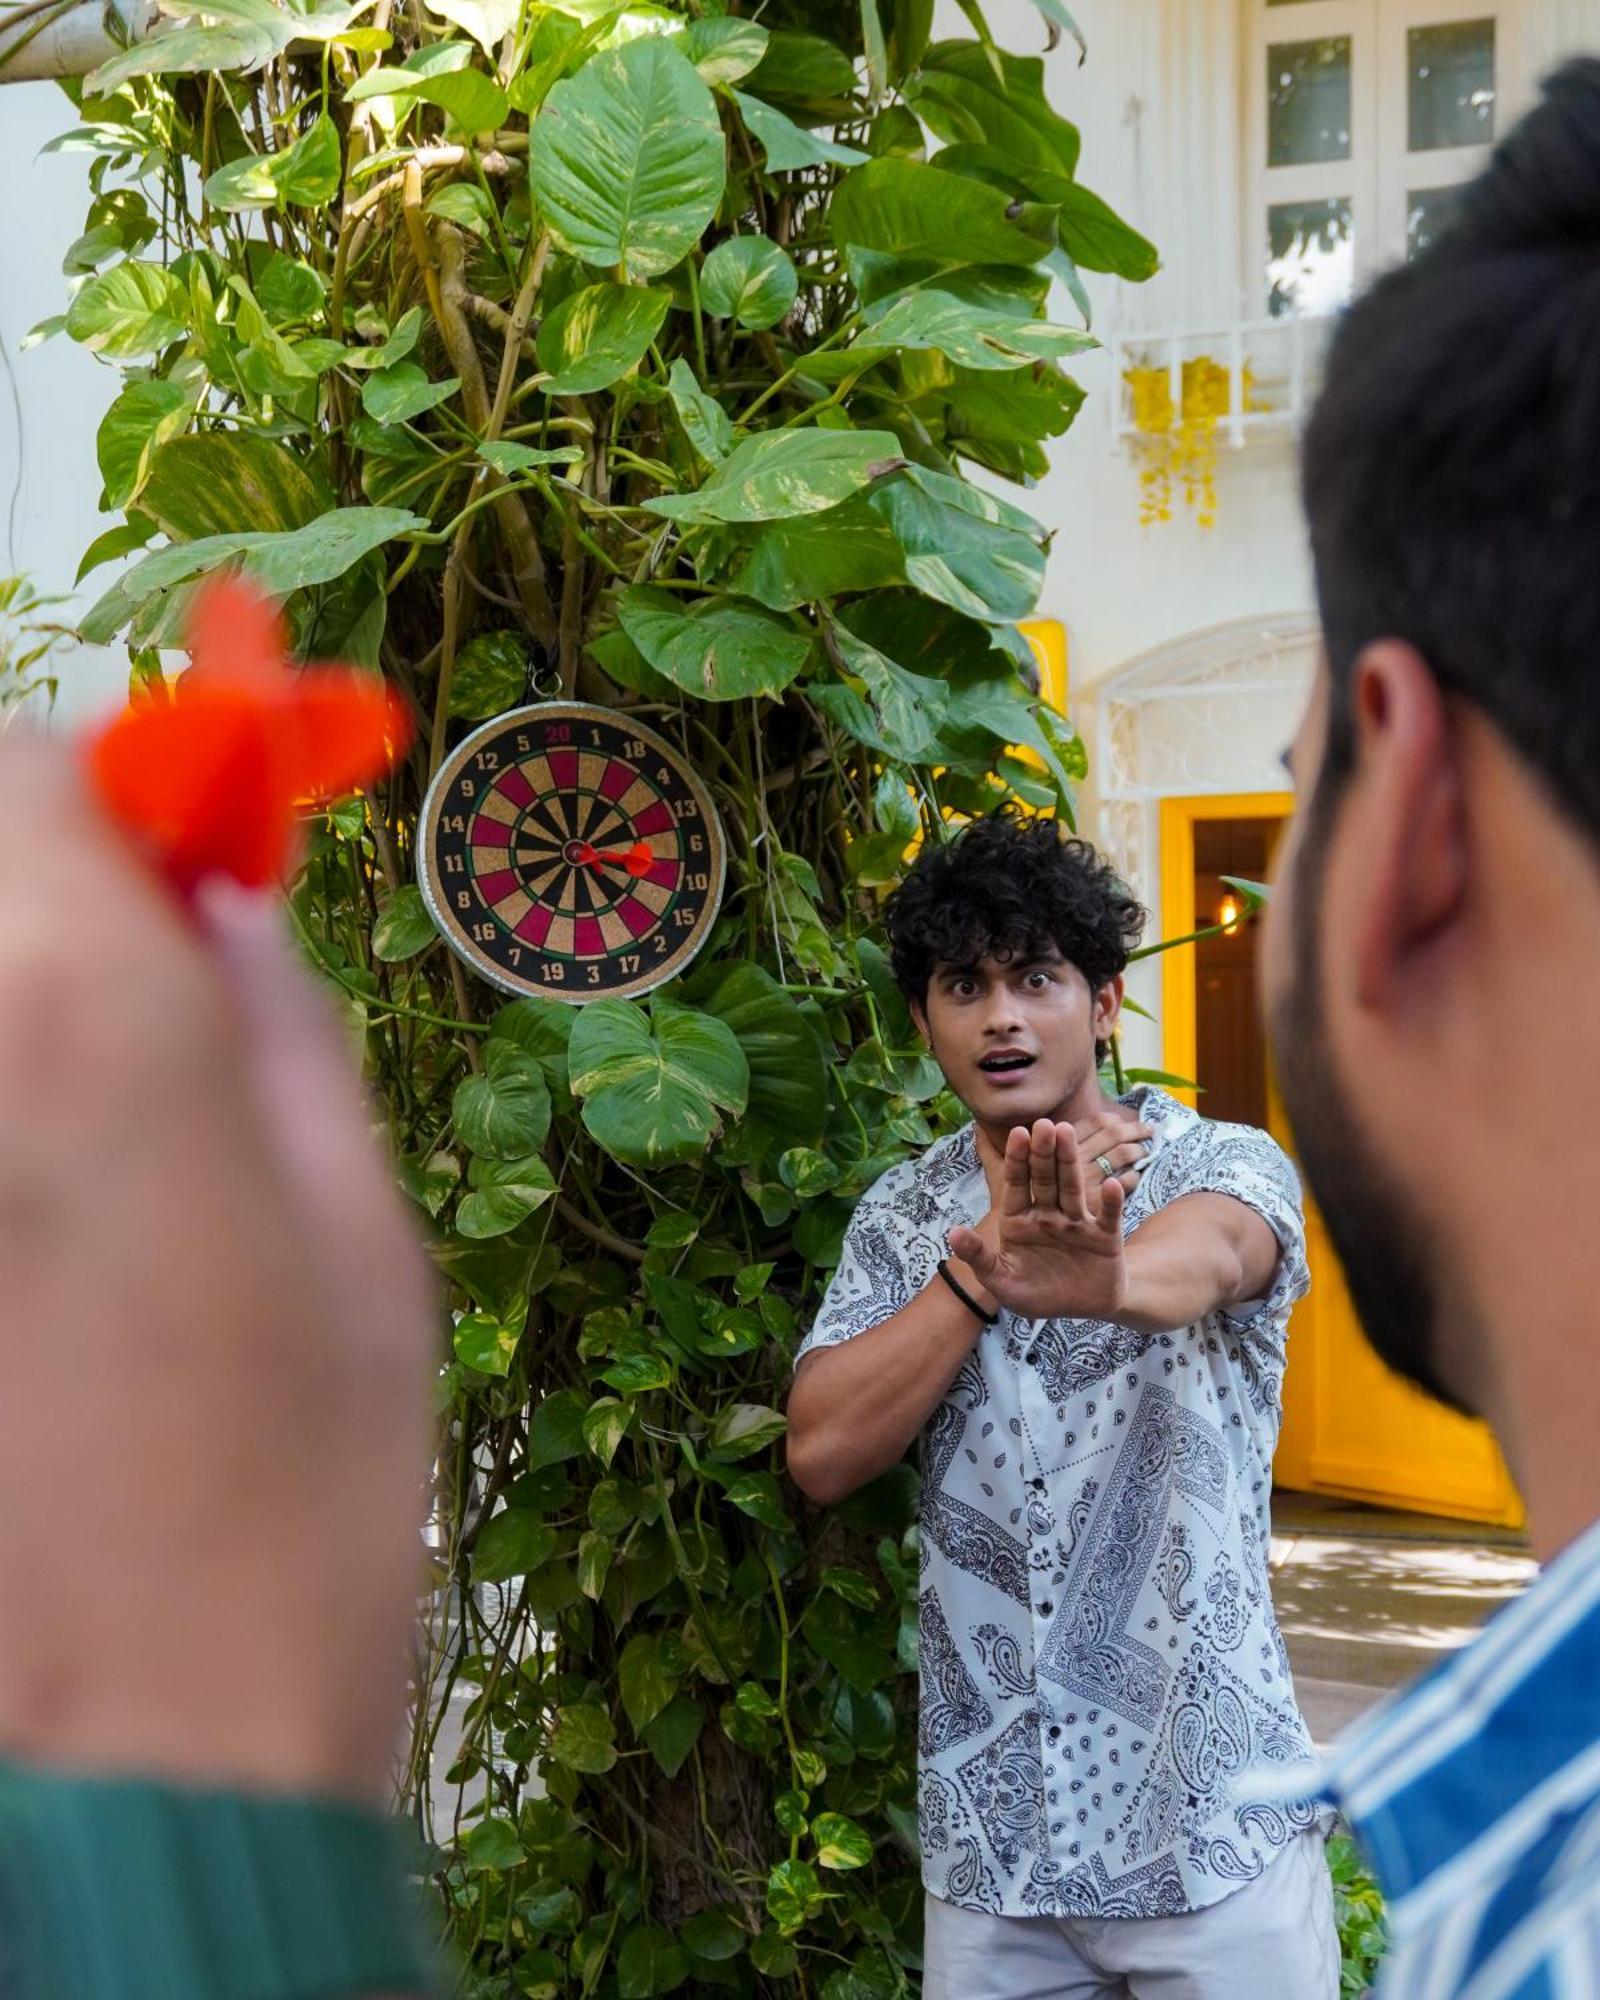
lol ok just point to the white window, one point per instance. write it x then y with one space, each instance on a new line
1364 117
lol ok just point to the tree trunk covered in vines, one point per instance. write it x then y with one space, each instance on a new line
639 358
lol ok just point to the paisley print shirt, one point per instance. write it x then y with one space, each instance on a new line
1099 1657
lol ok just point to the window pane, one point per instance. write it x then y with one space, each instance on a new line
1308 101
1428 211
1450 85
1310 257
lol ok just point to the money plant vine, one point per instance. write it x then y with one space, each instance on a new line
684 360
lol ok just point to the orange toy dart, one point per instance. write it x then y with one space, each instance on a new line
210 780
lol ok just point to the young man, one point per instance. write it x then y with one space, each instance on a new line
1081 1306
1431 965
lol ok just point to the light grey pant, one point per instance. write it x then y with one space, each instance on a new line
1272 1939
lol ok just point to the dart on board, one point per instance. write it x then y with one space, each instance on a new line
212 780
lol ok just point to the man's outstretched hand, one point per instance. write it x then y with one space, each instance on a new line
1051 1246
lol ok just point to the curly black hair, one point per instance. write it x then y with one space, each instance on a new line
1007 886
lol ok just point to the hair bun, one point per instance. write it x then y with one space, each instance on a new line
1541 188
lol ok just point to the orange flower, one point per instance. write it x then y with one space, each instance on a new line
210 782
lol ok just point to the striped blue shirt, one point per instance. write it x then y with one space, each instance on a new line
1476 1795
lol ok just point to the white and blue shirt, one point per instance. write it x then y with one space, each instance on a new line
1476 1795
1099 1657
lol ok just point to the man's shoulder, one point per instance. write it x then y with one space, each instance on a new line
1194 1145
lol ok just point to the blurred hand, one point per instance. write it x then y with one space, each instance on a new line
215 1331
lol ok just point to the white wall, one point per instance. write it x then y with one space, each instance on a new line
55 395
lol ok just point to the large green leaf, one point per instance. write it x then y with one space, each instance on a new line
595 336
403 926
706 423
742 1429
628 158
788 1072
556 1431
511 1543
133 308
503 1194
778 474
280 563
396 395
787 145
485 1343
144 415
238 34
674 1733
504 1113
793 1893
650 1962
809 74
841 1841
219 482
819 556
303 175
1093 235
723 50
975 93
748 278
962 545
718 648
652 1087
912 210
440 75
584 1739
491 675
648 1673
488 22
975 336
990 414
907 708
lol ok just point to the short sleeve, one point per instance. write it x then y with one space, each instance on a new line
871 1283
1250 1165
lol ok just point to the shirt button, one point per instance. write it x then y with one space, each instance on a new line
1046 1608
1037 1485
1055 1732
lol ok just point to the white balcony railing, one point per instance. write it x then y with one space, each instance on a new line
1273 368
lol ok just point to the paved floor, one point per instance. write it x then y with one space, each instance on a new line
1368 1599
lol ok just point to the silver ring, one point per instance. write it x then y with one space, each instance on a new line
1105 1166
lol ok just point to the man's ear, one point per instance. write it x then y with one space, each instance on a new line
1108 1008
1403 824
919 1014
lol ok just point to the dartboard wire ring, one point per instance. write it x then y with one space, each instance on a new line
447 920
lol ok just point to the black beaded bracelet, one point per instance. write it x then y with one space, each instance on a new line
964 1295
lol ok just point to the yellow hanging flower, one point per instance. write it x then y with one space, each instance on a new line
1180 445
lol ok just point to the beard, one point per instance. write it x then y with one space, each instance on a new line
1374 1229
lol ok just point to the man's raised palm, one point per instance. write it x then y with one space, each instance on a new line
1047 1249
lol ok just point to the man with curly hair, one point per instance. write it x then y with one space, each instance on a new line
1080 1305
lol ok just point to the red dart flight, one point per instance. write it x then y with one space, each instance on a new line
211 780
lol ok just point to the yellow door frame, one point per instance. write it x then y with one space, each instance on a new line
1179 818
1350 1427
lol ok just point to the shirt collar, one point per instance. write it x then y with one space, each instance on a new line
1479 1754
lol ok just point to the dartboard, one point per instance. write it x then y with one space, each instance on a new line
565 850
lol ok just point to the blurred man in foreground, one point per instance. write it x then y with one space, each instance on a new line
1430 972
215 1332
